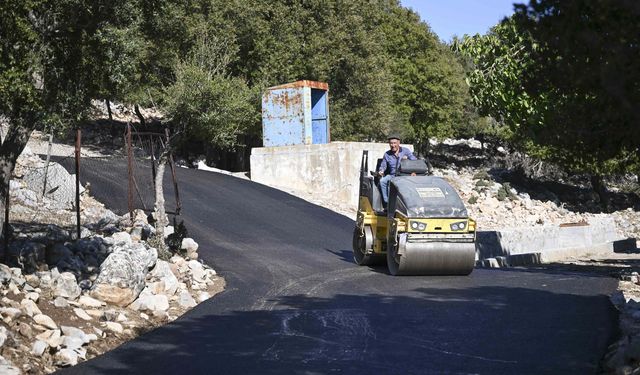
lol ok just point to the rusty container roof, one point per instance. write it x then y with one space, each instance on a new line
302 83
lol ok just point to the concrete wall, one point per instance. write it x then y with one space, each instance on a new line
331 169
549 243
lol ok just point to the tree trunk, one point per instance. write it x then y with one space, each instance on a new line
598 185
12 146
108 103
482 140
159 209
423 148
136 108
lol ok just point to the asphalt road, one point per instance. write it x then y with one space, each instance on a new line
296 303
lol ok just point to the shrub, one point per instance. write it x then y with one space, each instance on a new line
482 175
174 240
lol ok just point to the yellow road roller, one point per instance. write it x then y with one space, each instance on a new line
425 230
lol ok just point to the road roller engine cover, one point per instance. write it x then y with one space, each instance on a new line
424 231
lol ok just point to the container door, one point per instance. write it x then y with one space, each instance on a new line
283 117
319 116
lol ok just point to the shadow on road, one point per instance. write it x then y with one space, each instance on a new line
475 330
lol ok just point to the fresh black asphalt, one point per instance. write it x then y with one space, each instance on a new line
296 303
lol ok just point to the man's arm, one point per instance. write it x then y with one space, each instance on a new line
407 154
383 166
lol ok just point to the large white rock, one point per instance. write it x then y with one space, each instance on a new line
52 337
87 301
5 274
148 301
75 332
72 342
122 274
38 348
60 302
6 368
4 334
60 189
168 230
199 275
66 286
29 307
194 265
81 314
121 238
66 357
189 245
10 313
113 327
45 321
185 300
162 272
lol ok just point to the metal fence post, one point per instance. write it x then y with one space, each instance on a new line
5 229
130 170
46 166
153 161
78 138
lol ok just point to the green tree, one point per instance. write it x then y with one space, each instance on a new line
333 41
562 75
499 60
428 81
205 102
20 87
52 54
587 67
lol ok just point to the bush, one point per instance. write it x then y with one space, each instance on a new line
174 240
505 192
482 175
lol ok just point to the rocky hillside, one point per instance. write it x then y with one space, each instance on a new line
66 299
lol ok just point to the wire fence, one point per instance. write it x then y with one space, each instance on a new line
54 182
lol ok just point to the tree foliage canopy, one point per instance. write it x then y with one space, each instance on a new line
385 68
563 76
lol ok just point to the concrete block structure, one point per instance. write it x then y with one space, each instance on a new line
331 169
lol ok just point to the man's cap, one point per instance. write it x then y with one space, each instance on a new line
393 136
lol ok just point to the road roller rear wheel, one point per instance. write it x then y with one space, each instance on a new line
362 243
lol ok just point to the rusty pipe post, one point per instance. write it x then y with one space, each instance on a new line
130 171
46 164
78 139
153 161
5 226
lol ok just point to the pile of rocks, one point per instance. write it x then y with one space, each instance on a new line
623 356
65 299
496 205
99 291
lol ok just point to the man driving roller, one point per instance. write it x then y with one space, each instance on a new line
391 163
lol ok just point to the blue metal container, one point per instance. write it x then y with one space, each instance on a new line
296 113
